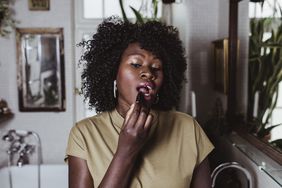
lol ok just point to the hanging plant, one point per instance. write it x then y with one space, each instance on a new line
7 21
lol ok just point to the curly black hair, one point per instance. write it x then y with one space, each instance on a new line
103 53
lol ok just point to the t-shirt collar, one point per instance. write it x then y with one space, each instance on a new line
118 119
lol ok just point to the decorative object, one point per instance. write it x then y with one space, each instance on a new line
7 21
39 4
5 112
221 65
40 59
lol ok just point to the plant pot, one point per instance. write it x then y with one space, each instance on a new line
266 138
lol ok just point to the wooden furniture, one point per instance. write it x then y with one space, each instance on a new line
6 117
232 60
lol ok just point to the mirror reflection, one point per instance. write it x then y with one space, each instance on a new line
265 71
40 63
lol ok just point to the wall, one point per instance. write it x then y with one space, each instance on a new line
200 23
192 23
202 27
52 127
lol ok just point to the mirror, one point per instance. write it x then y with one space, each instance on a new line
265 71
264 76
40 58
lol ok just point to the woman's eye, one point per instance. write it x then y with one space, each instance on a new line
136 65
156 68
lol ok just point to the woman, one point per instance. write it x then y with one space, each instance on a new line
133 75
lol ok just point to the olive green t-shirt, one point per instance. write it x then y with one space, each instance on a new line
176 145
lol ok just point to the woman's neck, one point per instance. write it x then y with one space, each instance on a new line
122 109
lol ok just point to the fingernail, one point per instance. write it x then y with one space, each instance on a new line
152 116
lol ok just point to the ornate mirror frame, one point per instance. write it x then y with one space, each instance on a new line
40 60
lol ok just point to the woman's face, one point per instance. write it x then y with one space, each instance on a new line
139 71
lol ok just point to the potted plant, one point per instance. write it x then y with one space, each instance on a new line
138 13
7 22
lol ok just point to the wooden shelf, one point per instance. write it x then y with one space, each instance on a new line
5 117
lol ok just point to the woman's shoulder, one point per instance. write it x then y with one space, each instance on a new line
93 120
176 119
176 116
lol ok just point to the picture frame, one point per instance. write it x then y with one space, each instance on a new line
221 65
40 73
39 4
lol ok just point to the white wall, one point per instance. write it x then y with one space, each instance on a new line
201 29
53 127
200 23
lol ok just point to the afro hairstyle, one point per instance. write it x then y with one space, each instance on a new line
104 50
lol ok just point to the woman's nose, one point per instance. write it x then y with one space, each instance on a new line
147 74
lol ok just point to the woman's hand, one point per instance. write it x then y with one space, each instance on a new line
132 138
135 129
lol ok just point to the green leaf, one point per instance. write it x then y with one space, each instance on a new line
263 132
155 6
139 18
122 11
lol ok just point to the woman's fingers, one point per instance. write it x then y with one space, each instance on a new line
143 124
128 113
132 115
142 118
148 123
137 119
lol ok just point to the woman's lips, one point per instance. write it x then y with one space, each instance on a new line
147 88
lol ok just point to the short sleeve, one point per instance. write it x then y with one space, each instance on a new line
76 144
203 144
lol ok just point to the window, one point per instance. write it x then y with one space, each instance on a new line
97 9
256 11
277 116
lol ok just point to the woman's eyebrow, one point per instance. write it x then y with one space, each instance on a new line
140 54
135 54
